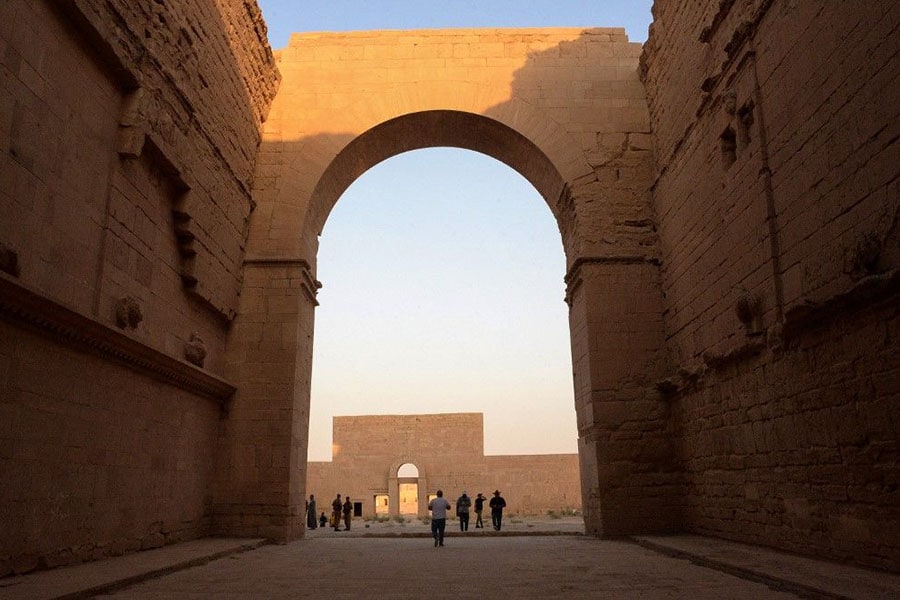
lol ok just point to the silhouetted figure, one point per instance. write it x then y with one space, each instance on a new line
323 520
463 504
311 512
438 507
479 508
497 505
336 506
348 513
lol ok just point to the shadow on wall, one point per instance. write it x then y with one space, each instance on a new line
114 121
574 124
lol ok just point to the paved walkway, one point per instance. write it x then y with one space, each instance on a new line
380 563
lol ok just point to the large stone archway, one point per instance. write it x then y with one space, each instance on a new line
158 260
563 107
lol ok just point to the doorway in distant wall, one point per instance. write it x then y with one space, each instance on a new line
382 505
408 480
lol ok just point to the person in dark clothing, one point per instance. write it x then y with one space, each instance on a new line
311 512
497 505
479 508
336 506
438 507
323 520
348 513
463 503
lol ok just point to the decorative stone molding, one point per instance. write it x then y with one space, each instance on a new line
195 350
28 308
873 289
867 291
128 313
147 130
862 259
309 284
573 278
748 309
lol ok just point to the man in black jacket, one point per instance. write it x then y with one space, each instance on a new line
497 505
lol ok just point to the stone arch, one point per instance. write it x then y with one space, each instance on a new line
414 468
393 479
395 466
515 134
563 107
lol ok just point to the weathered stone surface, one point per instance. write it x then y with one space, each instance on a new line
109 113
448 452
727 197
791 440
564 107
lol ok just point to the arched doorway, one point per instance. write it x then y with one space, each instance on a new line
584 164
408 484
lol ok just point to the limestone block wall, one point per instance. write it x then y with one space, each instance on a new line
574 93
95 461
128 134
447 450
775 132
566 109
532 484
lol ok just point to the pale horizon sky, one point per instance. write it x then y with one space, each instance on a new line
442 268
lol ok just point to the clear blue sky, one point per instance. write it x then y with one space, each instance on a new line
284 17
443 268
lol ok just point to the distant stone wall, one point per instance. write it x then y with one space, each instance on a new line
447 450
775 131
128 135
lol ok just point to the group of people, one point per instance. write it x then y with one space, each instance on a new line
339 510
440 505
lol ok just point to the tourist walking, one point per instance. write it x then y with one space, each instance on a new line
336 506
479 508
463 503
438 507
497 505
311 512
348 513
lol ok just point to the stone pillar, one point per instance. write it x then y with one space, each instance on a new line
394 495
422 509
624 449
261 477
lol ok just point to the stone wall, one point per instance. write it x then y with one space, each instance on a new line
734 341
448 452
95 461
128 135
566 109
775 128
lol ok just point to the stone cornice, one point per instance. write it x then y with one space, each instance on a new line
23 306
309 284
618 259
573 279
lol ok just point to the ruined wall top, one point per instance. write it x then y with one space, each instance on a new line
396 437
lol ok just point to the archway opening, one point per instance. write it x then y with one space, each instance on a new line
408 489
443 293
408 470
